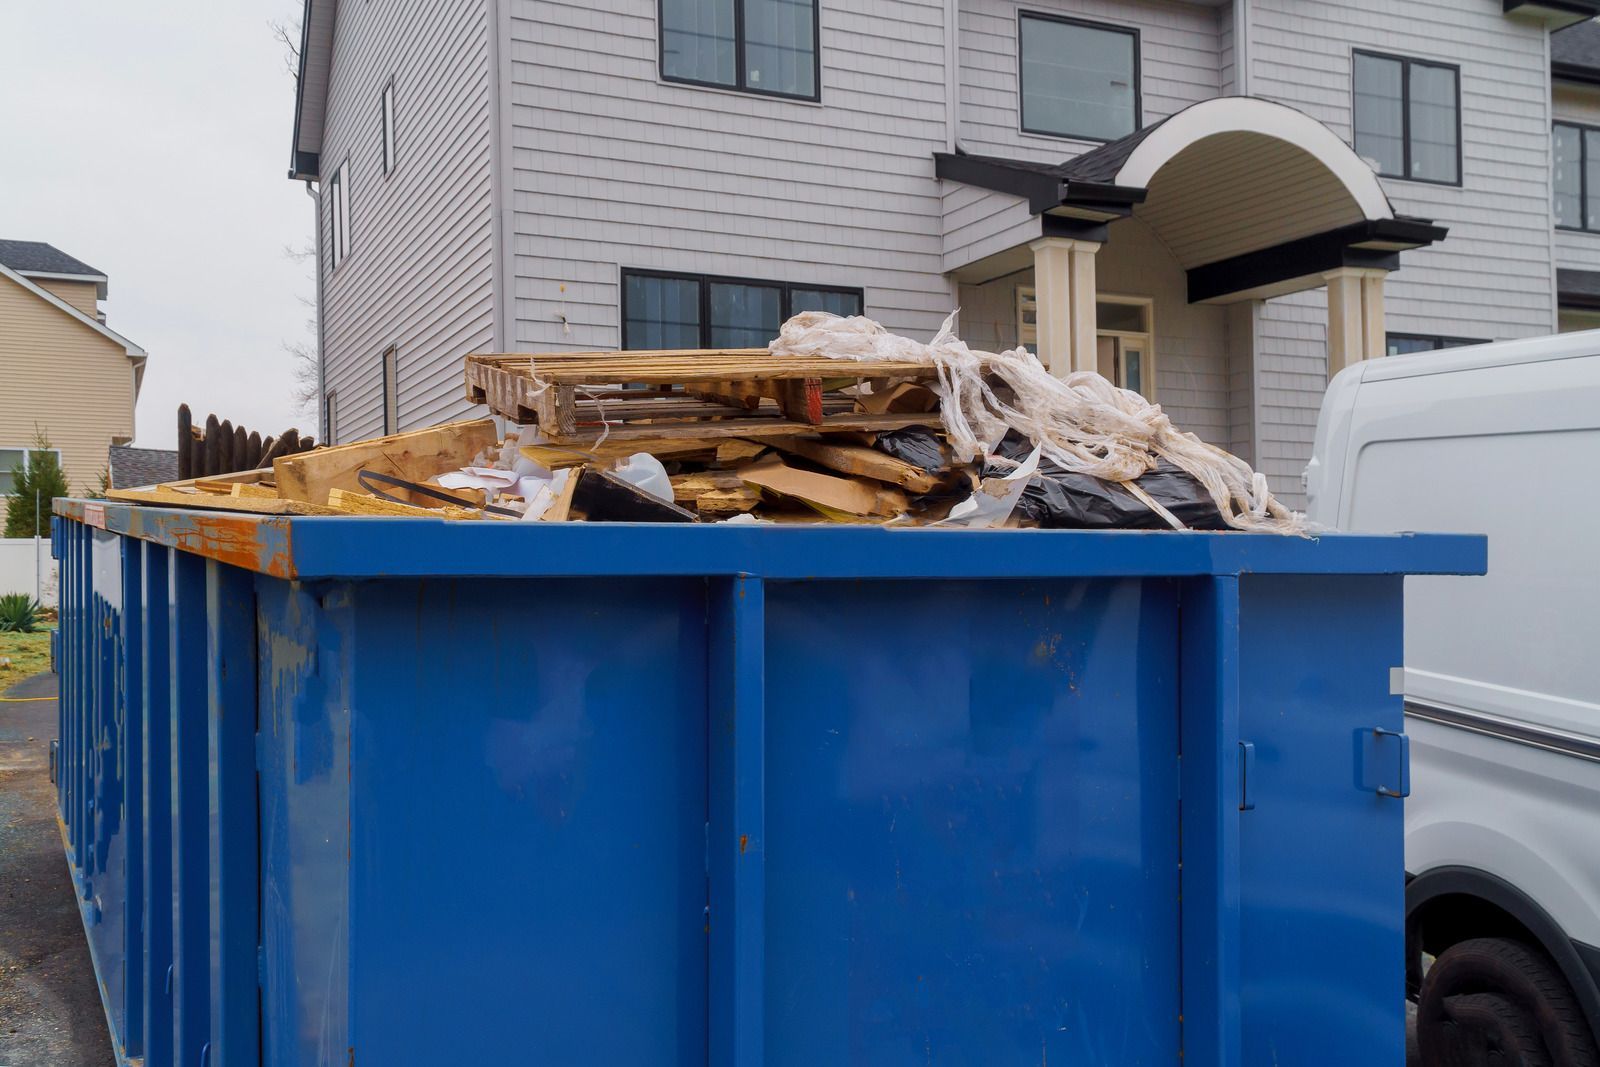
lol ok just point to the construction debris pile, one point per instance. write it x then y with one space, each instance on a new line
836 421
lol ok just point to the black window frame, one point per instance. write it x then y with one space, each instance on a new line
390 356
1440 342
739 72
705 281
388 129
1406 63
1584 129
1138 74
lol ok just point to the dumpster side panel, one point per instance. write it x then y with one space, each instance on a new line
191 956
971 824
304 752
156 745
303 678
528 809
1321 869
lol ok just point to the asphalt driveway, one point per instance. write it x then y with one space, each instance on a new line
50 1013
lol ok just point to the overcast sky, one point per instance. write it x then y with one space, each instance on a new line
151 140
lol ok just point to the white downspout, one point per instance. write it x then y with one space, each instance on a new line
952 67
322 352
1241 47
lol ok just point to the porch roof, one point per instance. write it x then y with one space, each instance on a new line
1253 198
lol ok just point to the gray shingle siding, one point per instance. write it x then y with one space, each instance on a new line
614 168
419 271
1492 278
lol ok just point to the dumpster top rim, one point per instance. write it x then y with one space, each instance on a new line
335 547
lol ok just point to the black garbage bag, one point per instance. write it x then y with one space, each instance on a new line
1056 499
916 445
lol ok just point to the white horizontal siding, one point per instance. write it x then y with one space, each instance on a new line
1179 65
1492 277
419 273
614 168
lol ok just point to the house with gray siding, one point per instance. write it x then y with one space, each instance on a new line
1219 204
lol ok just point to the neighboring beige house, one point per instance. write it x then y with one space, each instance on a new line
62 370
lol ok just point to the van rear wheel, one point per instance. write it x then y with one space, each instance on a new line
1491 1002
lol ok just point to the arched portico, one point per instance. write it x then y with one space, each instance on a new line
1252 199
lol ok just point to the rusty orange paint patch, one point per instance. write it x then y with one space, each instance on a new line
238 541
744 843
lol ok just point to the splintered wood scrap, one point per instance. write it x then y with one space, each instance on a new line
828 493
714 493
414 457
860 460
171 497
352 503
254 490
738 450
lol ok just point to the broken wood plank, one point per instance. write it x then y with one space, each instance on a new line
860 460
352 503
736 450
414 457
830 494
560 509
254 490
167 497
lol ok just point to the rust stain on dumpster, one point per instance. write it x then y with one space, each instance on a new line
256 544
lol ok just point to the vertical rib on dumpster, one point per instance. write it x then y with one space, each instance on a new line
1209 734
156 960
737 831
190 927
231 742
131 695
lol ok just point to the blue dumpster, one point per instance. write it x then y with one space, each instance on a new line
402 791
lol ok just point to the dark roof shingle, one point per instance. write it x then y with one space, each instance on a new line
36 256
1575 51
132 467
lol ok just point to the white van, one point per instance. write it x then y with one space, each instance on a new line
1502 680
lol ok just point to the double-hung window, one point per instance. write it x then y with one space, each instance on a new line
1079 79
1408 117
339 211
1576 181
702 311
759 46
12 458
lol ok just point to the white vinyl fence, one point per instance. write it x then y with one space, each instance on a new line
23 572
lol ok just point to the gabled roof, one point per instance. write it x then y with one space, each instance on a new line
132 467
1575 52
134 352
35 259
311 89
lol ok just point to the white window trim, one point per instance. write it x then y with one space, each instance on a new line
1028 333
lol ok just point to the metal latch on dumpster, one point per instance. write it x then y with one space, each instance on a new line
1385 762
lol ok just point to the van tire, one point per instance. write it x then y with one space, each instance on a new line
1492 1001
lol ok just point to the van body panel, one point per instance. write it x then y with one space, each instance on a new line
1502 672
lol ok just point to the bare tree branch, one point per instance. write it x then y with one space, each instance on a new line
287 33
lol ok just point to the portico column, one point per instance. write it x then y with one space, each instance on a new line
1355 316
1063 282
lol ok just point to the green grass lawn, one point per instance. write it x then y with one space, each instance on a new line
29 654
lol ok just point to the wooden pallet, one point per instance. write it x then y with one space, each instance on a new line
740 392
